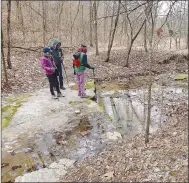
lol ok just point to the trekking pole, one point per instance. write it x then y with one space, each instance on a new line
95 97
65 74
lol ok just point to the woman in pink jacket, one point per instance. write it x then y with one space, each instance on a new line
49 66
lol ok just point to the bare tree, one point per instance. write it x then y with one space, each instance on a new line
111 39
91 29
3 57
95 25
133 37
150 78
145 37
8 34
44 22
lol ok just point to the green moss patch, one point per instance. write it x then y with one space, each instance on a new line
73 102
90 84
181 77
13 103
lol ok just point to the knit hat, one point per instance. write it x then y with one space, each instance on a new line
46 49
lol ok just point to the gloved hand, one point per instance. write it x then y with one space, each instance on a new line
53 69
92 67
74 73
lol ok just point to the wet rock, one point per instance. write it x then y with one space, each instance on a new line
77 111
27 150
108 175
12 152
51 174
114 135
85 133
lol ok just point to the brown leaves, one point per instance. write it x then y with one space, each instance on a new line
163 160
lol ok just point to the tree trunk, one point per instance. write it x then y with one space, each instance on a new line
44 23
59 19
149 113
170 42
3 57
91 28
112 36
71 29
8 34
150 82
105 14
145 37
95 24
83 25
133 38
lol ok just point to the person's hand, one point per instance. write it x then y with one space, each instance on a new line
53 69
74 73
92 67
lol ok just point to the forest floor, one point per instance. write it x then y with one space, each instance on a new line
29 129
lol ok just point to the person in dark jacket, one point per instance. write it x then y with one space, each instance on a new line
49 67
58 57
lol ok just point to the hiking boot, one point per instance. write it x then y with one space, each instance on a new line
60 95
54 97
84 96
62 87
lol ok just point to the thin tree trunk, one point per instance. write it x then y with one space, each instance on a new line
95 24
133 38
114 30
44 23
3 57
59 19
145 37
150 82
149 112
71 28
110 34
8 34
170 42
105 14
91 28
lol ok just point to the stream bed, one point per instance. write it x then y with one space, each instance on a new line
123 111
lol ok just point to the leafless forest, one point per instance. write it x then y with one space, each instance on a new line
29 25
140 53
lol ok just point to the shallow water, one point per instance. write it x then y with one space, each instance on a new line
124 111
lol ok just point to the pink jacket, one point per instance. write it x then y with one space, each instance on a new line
47 64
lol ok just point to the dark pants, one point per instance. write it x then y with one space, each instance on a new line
53 81
59 67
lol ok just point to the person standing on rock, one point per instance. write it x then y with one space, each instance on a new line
51 71
58 57
80 64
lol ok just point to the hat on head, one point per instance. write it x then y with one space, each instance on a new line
46 49
83 46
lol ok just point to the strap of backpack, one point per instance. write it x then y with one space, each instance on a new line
81 59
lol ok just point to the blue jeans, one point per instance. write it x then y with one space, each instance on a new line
59 67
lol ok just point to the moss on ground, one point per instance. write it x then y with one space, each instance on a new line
13 103
89 84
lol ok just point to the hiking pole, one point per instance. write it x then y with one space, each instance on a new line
65 74
94 97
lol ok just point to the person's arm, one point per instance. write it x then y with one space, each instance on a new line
61 52
53 63
44 65
85 63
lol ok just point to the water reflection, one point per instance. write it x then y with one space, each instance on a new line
128 108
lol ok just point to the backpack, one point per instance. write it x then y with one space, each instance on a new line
76 60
